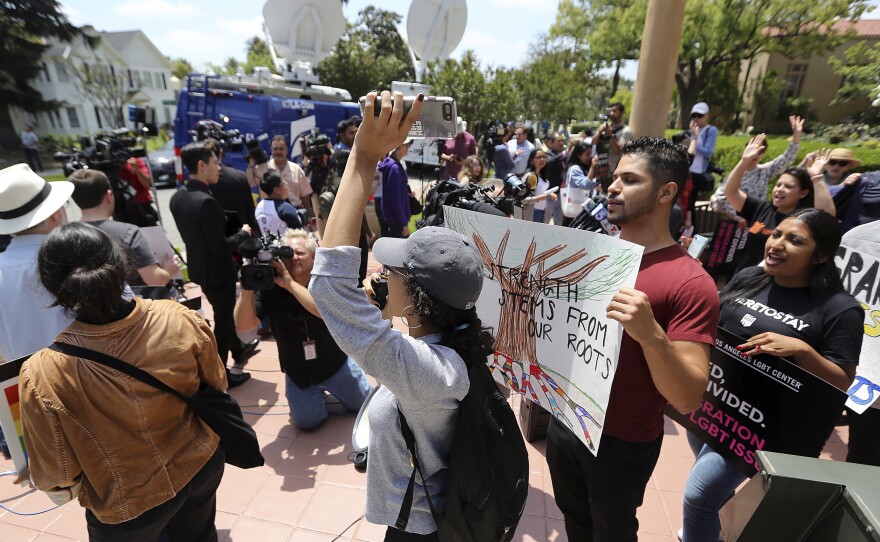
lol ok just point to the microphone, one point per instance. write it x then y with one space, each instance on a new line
596 207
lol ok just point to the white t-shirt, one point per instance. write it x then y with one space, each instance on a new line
268 219
542 187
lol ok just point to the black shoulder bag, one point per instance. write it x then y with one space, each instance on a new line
216 408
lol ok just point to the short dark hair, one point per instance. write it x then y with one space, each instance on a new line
345 123
617 105
85 271
270 181
666 161
193 153
89 187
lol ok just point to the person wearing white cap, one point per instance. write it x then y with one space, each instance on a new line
702 145
30 208
434 279
395 192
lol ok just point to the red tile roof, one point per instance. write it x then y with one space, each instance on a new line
866 28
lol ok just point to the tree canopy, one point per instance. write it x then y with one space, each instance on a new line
369 55
861 76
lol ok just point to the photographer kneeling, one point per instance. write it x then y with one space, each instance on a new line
434 280
310 358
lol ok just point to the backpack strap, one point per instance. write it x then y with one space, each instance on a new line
116 363
406 506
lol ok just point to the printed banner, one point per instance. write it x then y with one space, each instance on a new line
761 403
861 278
725 251
10 413
545 293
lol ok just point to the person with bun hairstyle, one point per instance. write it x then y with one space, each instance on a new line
141 462
434 279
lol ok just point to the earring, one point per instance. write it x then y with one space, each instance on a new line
405 320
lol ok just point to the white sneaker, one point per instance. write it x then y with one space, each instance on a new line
680 534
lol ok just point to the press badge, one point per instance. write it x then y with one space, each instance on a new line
310 351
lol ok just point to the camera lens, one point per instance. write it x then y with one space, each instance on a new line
447 111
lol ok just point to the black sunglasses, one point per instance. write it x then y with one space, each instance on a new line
838 162
696 115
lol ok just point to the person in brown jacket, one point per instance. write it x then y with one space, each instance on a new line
140 461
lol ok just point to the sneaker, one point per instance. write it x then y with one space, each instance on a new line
233 379
680 534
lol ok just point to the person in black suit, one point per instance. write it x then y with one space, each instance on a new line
232 189
202 225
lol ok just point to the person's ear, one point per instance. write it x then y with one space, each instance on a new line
668 192
108 197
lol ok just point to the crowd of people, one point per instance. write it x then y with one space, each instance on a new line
86 283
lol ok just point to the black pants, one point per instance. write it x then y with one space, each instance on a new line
864 437
222 300
187 517
598 496
32 157
396 535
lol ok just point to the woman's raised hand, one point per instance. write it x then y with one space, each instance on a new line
755 150
379 135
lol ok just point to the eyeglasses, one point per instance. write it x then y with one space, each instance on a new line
838 162
540 158
697 115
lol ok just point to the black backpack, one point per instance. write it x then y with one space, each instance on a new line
488 470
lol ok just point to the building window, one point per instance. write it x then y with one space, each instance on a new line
158 79
164 84
794 78
46 72
130 80
168 118
148 80
73 117
98 116
51 120
61 71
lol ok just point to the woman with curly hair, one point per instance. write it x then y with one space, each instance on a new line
472 171
434 279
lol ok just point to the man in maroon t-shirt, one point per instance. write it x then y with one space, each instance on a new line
455 150
670 320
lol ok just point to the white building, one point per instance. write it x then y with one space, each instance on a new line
129 53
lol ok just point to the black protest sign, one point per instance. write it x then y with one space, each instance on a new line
727 248
761 403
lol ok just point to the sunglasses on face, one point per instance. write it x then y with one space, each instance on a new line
696 115
838 162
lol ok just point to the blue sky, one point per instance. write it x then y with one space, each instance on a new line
205 31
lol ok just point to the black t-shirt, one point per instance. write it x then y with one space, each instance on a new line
292 324
831 324
554 171
763 218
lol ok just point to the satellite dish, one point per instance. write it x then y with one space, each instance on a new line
305 30
434 29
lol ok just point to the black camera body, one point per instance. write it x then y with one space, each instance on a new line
256 273
230 140
253 151
380 291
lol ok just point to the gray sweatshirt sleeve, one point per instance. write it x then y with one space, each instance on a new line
409 367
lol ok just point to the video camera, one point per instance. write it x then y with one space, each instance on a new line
231 140
256 273
109 150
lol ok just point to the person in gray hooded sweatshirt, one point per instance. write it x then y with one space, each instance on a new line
434 280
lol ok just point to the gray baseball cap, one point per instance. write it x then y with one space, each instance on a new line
441 261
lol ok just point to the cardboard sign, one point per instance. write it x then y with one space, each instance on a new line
860 273
761 403
726 250
10 413
545 293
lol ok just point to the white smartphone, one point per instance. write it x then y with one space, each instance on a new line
698 244
437 119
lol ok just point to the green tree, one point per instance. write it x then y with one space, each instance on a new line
26 24
369 55
861 77
181 67
258 54
716 35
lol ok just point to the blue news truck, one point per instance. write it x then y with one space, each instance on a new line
260 108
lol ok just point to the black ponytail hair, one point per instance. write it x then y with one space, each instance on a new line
462 329
85 271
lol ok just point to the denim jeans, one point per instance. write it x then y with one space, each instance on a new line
710 484
553 212
307 407
538 216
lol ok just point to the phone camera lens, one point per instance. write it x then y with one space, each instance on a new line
447 112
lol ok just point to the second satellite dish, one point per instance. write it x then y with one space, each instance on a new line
304 29
434 28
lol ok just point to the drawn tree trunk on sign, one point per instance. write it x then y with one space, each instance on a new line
523 286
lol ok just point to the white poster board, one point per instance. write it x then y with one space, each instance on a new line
545 293
10 412
861 278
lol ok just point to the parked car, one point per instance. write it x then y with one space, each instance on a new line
162 165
